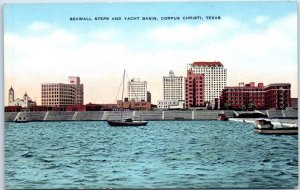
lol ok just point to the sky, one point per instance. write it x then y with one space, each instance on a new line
43 45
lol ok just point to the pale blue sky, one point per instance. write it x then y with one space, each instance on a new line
255 41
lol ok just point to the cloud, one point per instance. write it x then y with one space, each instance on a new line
267 54
104 34
261 19
39 26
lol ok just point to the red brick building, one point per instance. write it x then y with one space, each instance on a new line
194 90
132 105
294 103
12 108
249 96
278 96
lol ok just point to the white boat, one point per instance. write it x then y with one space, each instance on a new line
263 124
267 128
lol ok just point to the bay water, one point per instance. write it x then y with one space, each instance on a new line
163 154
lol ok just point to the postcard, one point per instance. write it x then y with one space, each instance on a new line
153 95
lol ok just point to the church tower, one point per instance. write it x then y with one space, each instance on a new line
26 98
11 96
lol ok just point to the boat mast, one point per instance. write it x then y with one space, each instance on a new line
122 94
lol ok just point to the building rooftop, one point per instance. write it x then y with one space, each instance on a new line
207 64
279 84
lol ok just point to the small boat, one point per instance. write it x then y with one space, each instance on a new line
222 117
128 121
266 127
21 120
263 124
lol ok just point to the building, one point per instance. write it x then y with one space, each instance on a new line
194 89
278 96
148 96
294 103
172 92
215 78
133 105
60 94
243 97
171 104
173 87
26 102
137 90
92 107
250 97
12 108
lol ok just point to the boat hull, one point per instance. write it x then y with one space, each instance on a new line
279 131
23 121
222 117
124 123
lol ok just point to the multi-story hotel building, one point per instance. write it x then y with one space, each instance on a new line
172 92
137 90
275 96
215 78
173 87
60 94
194 89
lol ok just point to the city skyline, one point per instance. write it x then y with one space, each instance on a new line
45 46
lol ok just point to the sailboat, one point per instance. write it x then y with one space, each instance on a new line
127 121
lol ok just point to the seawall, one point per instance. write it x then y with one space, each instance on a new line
137 115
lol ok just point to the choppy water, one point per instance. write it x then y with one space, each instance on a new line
164 154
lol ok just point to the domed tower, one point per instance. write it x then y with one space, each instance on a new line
26 98
11 96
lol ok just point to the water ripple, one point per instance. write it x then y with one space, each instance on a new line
165 154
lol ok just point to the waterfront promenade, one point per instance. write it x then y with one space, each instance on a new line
138 115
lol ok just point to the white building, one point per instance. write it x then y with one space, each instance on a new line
215 76
25 102
173 87
59 94
173 92
137 90
171 104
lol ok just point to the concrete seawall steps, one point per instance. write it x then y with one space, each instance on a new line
90 116
149 115
177 115
138 115
61 116
116 115
275 113
206 114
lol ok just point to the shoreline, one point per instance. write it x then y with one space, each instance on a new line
154 115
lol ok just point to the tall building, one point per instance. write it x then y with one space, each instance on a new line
60 94
137 90
249 96
194 89
215 78
25 102
173 87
